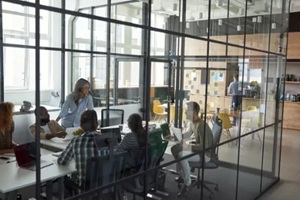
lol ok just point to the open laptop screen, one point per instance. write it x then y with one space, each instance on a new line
25 153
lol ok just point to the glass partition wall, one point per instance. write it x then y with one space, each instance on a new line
152 59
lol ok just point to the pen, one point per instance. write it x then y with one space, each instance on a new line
10 161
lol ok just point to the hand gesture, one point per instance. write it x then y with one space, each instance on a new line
61 134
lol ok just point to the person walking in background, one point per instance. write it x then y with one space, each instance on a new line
6 127
235 93
76 103
49 128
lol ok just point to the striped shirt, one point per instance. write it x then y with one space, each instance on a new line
81 148
131 145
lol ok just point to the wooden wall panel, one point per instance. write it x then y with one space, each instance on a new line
293 46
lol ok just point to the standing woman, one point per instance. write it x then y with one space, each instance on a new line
76 103
6 127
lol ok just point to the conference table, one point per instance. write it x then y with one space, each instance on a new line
13 177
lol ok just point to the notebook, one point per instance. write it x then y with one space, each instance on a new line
177 132
26 156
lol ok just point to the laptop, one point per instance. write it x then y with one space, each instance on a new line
26 156
167 134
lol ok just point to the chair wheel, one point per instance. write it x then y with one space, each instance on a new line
211 196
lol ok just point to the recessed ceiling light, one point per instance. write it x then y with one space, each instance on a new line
259 19
220 22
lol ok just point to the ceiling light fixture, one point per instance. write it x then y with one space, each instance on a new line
220 22
188 25
200 15
259 19
239 27
174 6
220 2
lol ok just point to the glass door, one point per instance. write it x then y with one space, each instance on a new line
127 81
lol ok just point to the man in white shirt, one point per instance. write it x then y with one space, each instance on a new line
235 93
49 128
199 128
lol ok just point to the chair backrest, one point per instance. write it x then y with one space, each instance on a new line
165 129
251 108
155 154
110 117
156 108
226 124
217 132
172 112
155 136
103 170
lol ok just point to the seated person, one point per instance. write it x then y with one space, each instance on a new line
182 149
81 148
133 142
6 127
49 128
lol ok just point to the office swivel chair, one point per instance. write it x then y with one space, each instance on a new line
110 117
103 170
136 185
213 163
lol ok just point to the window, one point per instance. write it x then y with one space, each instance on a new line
19 29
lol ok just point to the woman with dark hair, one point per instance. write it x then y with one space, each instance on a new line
133 142
6 127
76 103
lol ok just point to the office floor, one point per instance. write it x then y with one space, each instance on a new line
289 186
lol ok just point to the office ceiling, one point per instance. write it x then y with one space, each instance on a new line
198 9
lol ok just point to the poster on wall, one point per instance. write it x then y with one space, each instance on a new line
218 77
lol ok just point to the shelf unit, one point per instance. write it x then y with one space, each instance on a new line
292 82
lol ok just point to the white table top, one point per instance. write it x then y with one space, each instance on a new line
13 177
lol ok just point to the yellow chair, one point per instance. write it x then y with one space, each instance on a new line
210 106
251 108
159 111
226 124
172 113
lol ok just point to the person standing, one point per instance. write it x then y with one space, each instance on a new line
235 93
76 103
6 127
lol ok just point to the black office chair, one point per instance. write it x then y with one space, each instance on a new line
155 136
135 186
103 170
110 117
213 163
